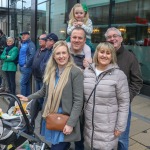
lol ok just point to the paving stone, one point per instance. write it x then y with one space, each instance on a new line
137 146
138 126
143 138
131 142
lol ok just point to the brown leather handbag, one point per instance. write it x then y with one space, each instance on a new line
56 121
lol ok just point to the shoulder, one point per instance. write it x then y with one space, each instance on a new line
120 74
15 48
76 71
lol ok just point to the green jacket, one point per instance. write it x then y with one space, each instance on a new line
8 62
72 101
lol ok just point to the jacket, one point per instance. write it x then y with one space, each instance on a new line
107 108
128 63
71 100
26 53
8 63
38 58
88 27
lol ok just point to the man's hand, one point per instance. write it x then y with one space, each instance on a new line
67 129
87 61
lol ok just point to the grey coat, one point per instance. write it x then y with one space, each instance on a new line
107 108
72 101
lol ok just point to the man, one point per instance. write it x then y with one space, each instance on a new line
129 64
38 76
26 54
78 39
39 63
3 79
51 39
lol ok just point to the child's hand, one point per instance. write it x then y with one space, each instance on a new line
22 98
80 23
75 24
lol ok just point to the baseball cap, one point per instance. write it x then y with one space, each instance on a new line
52 36
24 32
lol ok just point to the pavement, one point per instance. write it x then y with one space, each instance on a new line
140 122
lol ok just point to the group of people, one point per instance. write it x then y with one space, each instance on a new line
69 82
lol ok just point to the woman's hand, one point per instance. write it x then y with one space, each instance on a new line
117 133
86 62
22 98
67 129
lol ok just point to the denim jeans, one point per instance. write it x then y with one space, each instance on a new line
123 142
61 146
25 80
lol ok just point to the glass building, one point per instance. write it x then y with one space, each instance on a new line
131 17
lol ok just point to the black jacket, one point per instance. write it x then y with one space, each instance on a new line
130 66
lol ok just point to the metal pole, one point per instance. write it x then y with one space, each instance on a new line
111 12
22 17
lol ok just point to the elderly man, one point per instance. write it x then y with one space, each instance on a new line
78 39
129 65
26 54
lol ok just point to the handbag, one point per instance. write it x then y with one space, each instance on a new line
56 121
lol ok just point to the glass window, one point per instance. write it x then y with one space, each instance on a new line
57 18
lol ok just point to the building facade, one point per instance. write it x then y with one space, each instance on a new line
131 17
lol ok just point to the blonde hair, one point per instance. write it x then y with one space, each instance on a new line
108 46
72 17
51 64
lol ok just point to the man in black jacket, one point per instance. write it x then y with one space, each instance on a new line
130 66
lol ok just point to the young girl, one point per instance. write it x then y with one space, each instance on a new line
79 17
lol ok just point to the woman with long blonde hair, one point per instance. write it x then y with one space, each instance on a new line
63 92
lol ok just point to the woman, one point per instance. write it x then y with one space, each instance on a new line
63 92
106 99
9 56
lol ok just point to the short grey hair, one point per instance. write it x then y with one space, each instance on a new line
10 38
112 29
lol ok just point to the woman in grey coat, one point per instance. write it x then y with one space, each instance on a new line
106 100
62 95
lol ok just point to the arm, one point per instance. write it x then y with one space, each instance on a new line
11 55
136 81
30 54
122 95
77 87
70 28
88 27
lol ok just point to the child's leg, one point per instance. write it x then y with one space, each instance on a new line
89 43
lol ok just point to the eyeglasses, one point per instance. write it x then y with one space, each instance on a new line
44 39
113 36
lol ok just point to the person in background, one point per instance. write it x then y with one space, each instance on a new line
26 55
3 79
62 95
128 63
9 56
51 39
106 99
79 17
36 105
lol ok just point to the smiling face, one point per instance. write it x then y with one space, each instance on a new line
77 40
115 38
104 57
10 42
79 13
61 56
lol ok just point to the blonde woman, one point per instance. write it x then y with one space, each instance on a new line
106 99
63 92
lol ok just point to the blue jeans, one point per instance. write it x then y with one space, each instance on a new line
25 80
61 146
123 142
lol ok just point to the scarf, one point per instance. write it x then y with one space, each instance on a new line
55 92
8 48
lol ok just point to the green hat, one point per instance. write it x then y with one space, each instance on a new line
84 7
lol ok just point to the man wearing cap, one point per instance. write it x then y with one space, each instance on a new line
38 76
26 54
51 39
